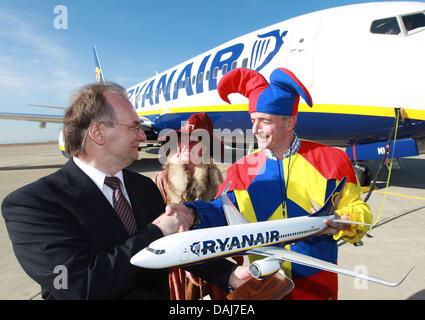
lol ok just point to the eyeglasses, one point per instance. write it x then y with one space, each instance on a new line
133 127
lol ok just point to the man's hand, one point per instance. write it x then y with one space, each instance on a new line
181 209
239 276
335 227
174 219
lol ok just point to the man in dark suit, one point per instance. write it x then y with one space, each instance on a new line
75 230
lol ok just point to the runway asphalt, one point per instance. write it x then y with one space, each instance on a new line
395 244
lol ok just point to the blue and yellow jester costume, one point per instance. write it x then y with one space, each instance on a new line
265 188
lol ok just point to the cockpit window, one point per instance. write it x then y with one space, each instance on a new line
157 252
385 26
414 22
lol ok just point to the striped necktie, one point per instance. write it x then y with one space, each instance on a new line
121 205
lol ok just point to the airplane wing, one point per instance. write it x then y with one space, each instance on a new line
48 118
295 257
233 216
43 106
32 117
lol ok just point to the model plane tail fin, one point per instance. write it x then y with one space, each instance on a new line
332 202
233 216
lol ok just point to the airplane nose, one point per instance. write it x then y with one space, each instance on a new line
140 259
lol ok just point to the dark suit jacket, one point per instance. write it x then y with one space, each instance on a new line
65 220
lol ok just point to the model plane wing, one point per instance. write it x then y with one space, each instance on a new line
233 216
295 257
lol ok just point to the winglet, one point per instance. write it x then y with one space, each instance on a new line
402 280
98 68
332 202
384 282
233 216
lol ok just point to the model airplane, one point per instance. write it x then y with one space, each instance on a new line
241 237
360 63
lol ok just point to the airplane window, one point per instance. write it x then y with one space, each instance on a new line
193 79
207 75
245 63
234 65
224 69
215 71
414 21
200 77
385 26
186 83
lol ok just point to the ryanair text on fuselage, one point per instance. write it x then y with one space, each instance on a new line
262 52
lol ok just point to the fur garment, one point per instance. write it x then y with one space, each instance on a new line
184 187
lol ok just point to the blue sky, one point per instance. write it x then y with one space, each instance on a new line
41 64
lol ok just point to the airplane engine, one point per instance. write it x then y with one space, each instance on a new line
264 268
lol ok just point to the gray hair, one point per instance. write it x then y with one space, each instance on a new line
88 104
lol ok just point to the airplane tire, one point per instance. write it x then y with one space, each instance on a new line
363 174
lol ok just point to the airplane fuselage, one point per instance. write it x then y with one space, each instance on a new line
198 246
362 64
356 75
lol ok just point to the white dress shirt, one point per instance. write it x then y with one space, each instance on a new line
98 177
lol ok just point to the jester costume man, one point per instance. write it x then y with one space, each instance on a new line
266 188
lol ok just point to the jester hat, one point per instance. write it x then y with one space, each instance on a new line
279 97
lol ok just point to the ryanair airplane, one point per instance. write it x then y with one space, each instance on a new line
363 65
242 237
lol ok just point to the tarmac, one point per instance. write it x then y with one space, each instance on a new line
395 243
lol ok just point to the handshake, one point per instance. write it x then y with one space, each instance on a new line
176 218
